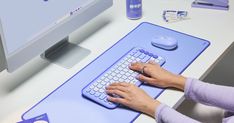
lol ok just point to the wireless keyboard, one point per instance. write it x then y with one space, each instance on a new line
118 72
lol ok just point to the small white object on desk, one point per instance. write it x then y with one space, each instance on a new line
173 16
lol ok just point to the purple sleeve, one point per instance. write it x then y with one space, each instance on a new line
210 94
165 114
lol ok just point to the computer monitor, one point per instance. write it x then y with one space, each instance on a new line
29 28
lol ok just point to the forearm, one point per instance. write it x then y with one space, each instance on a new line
210 94
165 114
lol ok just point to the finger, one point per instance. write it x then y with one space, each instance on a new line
117 92
124 84
152 62
135 63
136 66
121 88
117 100
145 79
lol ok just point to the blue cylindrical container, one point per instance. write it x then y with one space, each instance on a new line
134 9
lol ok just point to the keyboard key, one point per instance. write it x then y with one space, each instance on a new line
145 59
106 75
119 75
113 74
131 71
122 73
110 77
101 90
95 84
115 78
103 96
157 61
124 77
141 50
97 94
95 89
92 92
129 60
106 80
117 71
102 78
106 100
127 74
98 81
125 70
120 68
150 54
99 85
103 83
130 78
133 58
88 90
137 54
107 84
155 56
146 53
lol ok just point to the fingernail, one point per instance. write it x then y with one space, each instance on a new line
138 77
108 98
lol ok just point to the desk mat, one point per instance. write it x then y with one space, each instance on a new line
67 105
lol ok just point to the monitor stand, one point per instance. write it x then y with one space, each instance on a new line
65 54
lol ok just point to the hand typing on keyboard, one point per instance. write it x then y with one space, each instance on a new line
134 97
119 72
155 75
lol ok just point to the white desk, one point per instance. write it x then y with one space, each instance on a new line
38 78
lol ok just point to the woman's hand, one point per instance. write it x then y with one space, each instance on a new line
157 76
132 97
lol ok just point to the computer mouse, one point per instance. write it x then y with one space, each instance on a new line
164 42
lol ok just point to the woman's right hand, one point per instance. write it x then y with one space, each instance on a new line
157 76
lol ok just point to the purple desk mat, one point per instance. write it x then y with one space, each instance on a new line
66 103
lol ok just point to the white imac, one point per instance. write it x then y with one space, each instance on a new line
29 28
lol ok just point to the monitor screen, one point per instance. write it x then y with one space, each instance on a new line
24 20
29 28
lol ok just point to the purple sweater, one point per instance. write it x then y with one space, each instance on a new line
205 93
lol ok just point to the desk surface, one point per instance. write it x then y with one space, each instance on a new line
104 31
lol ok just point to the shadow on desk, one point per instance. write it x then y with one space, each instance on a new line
11 81
200 112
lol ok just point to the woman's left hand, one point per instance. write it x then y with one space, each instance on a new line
132 97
